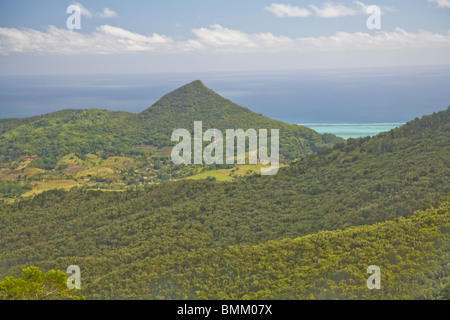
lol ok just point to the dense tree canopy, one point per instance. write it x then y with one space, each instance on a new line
36 285
202 239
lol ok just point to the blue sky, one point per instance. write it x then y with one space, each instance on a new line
218 35
307 61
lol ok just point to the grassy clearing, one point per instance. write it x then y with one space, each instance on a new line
238 170
120 163
41 186
145 148
96 172
228 174
215 173
163 152
71 159
243 169
94 166
155 151
32 171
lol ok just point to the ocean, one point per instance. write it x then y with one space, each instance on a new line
328 100
357 130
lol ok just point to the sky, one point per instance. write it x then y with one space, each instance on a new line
122 37
294 60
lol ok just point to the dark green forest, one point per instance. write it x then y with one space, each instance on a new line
308 232
413 256
13 188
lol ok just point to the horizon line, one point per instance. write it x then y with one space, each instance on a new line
352 124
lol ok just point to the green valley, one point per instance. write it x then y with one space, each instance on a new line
100 149
308 232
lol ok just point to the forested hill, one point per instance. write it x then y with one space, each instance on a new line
110 133
123 235
412 254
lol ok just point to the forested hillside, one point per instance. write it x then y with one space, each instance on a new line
123 235
108 133
413 256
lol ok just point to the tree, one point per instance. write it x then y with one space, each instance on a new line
36 285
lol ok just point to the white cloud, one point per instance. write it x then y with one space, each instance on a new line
441 3
106 13
112 40
226 40
362 6
383 40
286 10
84 12
220 37
105 40
333 10
327 10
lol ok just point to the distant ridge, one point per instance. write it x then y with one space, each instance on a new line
57 134
352 124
